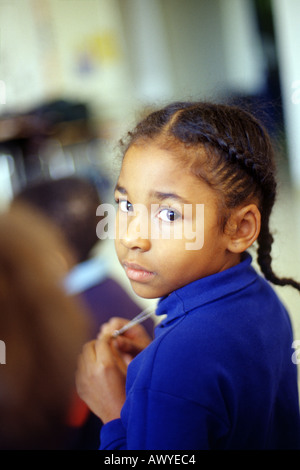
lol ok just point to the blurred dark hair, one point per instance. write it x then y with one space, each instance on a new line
71 203
228 148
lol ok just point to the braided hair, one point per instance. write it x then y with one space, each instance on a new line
238 159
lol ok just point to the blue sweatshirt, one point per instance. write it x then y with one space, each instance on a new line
218 374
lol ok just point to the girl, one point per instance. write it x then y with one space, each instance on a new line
218 374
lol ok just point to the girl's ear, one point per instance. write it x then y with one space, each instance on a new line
243 228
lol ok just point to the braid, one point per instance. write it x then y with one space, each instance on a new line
239 159
265 240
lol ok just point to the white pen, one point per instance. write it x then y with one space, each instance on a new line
148 312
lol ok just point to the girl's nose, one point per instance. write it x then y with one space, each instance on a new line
136 243
134 238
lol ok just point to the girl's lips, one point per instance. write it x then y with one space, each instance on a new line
137 273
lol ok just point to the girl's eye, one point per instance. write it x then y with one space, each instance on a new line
125 206
168 215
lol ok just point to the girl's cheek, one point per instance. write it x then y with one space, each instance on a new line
117 247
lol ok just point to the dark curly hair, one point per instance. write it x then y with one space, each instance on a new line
237 161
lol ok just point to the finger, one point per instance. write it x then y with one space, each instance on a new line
103 350
113 324
85 365
122 343
88 352
136 332
125 345
109 356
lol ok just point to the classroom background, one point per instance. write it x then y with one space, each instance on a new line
76 74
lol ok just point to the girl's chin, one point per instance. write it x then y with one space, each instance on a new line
146 291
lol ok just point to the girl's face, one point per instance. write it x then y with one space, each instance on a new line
160 207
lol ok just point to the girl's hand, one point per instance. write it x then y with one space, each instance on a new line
130 343
100 382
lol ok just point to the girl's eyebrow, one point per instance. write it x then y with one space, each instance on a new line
120 189
162 196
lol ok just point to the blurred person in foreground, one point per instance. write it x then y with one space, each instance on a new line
43 330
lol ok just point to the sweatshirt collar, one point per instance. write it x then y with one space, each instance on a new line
206 290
